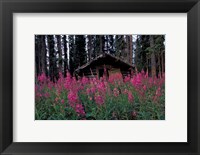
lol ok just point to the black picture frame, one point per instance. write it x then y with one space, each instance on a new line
8 7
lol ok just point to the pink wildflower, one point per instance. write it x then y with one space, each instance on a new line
147 74
144 87
84 80
73 98
130 97
125 91
116 92
50 85
42 78
142 72
80 110
46 95
62 101
56 99
137 80
115 77
158 92
88 91
134 113
92 90
99 100
127 79
101 87
68 81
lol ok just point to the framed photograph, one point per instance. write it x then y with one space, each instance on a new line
99 76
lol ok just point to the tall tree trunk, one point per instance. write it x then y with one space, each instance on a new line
130 49
147 66
72 53
47 55
89 47
153 58
159 65
36 56
59 43
40 54
119 45
65 55
107 43
43 54
136 53
162 62
51 57
81 55
125 53
104 43
111 44
101 44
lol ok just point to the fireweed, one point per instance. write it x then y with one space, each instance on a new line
115 98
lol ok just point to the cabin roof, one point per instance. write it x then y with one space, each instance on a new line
104 55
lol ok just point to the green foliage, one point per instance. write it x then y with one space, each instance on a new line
142 107
143 49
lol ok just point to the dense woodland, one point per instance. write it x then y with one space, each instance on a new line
62 53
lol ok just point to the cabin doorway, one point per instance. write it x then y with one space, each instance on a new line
101 71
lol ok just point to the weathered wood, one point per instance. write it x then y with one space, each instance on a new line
104 64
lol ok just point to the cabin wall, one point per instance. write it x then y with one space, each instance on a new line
95 71
90 72
127 72
97 68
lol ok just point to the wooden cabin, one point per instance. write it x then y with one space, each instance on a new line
97 66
